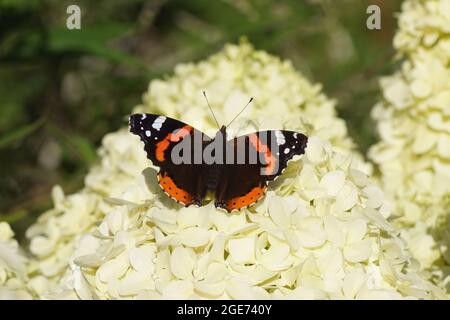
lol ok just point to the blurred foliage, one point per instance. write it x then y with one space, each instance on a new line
63 90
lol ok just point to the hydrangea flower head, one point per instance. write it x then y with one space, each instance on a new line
229 77
13 267
413 121
320 232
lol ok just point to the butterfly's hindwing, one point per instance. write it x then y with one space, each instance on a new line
246 183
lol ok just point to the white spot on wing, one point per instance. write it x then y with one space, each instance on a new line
148 133
280 137
286 151
157 124
295 135
143 116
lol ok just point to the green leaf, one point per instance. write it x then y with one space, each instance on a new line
18 4
219 14
15 216
83 147
93 39
20 133
75 144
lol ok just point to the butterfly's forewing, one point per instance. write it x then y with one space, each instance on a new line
284 145
182 182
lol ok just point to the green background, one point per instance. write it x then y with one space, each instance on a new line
62 90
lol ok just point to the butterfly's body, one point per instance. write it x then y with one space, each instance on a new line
236 171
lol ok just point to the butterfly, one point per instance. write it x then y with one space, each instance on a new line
191 163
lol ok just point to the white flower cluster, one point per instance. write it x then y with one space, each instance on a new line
230 78
413 120
13 267
320 233
53 234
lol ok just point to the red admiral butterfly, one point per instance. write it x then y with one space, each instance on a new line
191 163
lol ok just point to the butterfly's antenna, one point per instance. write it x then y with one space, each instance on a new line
215 119
251 99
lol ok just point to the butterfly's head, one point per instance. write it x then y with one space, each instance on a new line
221 134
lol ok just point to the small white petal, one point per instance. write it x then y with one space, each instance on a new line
242 250
182 263
358 251
194 237
141 258
333 182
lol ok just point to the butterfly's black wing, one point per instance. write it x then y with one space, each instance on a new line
283 145
179 176
246 183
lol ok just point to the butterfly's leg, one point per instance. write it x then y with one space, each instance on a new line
201 192
220 195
